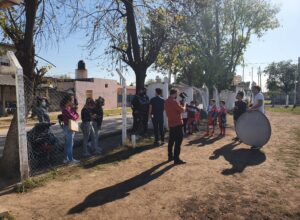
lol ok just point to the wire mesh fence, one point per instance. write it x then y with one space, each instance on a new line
48 136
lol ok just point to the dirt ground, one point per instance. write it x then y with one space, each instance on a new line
221 180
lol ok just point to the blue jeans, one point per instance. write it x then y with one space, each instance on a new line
69 143
96 129
88 131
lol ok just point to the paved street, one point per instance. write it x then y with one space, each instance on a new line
110 125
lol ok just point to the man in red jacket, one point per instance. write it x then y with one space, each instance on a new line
174 111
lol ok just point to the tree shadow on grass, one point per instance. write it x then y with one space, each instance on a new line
238 158
120 190
205 140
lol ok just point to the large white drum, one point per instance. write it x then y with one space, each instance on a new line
253 128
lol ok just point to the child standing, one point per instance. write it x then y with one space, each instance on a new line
240 107
222 117
212 114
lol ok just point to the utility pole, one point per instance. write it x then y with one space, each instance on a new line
243 70
124 106
252 75
297 86
259 76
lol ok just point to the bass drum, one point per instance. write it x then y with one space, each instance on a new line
253 128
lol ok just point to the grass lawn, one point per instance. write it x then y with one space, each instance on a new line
116 111
290 110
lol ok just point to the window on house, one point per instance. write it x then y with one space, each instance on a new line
89 93
106 85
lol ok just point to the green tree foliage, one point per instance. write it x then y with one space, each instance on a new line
281 76
217 33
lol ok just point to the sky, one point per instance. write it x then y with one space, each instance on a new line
276 45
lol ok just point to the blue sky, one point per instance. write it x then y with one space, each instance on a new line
280 44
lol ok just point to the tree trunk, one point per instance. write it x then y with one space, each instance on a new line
140 76
9 164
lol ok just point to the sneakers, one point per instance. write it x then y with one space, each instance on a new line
255 148
179 162
170 159
235 139
66 161
85 155
98 152
74 161
156 143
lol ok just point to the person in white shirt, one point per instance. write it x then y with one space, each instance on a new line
258 105
258 100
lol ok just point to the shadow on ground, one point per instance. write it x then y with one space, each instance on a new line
118 156
240 159
204 140
120 190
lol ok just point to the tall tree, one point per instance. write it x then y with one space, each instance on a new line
134 30
25 26
219 32
281 77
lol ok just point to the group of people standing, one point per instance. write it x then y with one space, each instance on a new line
145 109
91 116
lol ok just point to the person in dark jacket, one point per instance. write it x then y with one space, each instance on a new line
42 110
97 122
87 116
156 114
240 107
144 110
140 112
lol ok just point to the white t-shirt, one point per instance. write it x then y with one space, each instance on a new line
259 96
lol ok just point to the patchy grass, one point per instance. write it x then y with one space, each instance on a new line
34 182
63 174
290 155
295 111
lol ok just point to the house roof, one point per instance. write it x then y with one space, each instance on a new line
7 80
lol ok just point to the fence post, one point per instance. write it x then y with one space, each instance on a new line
21 113
124 107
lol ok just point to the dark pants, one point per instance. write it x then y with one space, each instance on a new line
136 122
175 137
144 118
158 127
185 120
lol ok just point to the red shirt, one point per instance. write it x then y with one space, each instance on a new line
173 111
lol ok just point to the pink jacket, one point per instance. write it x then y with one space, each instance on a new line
68 114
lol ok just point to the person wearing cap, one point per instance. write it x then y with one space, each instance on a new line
42 110
174 111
